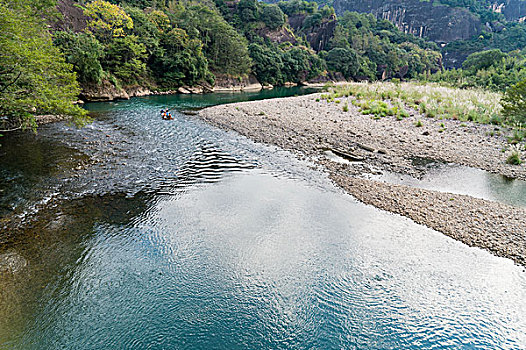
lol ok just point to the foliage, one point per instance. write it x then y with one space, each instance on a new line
381 49
343 60
268 63
300 64
273 17
225 49
183 61
125 59
276 66
514 158
84 52
514 102
34 77
295 7
493 70
482 8
483 60
107 20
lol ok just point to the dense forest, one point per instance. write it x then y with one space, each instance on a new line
50 51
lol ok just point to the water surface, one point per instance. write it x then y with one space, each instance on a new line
460 179
180 235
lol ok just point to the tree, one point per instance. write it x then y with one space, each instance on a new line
514 103
107 20
225 49
344 61
273 17
34 77
125 57
484 59
268 64
84 52
248 10
300 64
183 62
147 28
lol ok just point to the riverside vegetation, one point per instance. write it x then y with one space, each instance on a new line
49 56
435 101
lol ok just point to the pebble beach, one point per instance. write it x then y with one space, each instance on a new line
308 126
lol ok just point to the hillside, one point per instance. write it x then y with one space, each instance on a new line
460 27
119 49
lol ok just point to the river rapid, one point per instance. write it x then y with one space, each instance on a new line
141 233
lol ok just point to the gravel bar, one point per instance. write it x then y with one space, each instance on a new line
307 127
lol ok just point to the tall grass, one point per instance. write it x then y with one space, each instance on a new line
431 100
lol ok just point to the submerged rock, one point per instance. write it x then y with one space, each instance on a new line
12 262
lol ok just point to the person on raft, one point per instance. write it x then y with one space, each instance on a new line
166 115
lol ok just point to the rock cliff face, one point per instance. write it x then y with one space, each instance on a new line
71 17
281 35
106 91
317 36
438 23
513 10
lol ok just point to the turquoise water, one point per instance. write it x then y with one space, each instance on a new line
182 236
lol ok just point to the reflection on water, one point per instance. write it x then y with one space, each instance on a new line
263 261
184 236
464 180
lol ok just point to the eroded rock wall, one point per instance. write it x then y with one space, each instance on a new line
438 23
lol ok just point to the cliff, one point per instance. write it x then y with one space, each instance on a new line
439 23
513 10
319 35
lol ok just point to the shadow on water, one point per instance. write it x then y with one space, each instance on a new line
31 164
50 250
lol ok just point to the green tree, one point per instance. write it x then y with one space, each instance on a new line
483 60
514 103
300 64
344 61
147 28
225 49
273 17
84 52
268 64
106 20
34 77
183 61
125 58
248 10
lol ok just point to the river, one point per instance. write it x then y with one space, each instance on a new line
150 234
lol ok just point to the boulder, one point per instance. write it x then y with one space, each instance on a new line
229 84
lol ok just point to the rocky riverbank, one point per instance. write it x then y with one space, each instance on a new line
107 91
309 126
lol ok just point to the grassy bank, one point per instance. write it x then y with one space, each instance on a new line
402 100
431 100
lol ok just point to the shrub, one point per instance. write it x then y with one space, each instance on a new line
514 158
514 102
273 16
518 136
